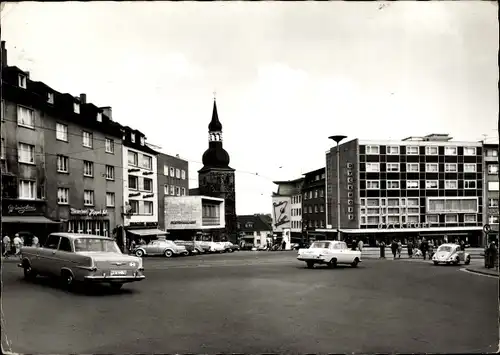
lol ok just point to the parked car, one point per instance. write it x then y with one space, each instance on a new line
191 247
230 247
217 247
205 246
330 253
450 253
160 247
76 257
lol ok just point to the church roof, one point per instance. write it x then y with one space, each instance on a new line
215 125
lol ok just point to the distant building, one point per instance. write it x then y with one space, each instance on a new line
313 201
491 189
255 229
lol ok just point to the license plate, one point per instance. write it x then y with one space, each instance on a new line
118 272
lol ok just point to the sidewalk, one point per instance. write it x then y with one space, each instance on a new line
10 259
478 268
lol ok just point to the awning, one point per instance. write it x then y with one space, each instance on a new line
147 232
28 219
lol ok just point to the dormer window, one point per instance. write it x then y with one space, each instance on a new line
76 107
142 140
99 117
22 81
50 97
132 137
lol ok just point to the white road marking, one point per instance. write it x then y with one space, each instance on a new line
477 273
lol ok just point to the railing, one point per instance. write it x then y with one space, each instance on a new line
210 221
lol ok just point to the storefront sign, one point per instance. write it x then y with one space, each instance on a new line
143 224
88 212
403 225
148 196
183 222
22 208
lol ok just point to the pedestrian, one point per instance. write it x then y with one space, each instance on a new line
381 245
409 246
360 245
17 244
132 246
6 246
34 241
424 247
400 249
283 245
394 248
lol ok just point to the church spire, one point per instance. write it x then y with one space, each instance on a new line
215 125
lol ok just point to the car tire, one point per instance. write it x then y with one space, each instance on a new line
355 263
116 286
467 261
139 253
29 273
457 261
436 263
332 263
67 280
310 265
168 253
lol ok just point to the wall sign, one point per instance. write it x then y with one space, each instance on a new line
88 212
182 222
22 208
148 195
403 225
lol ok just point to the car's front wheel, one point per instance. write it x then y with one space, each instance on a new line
355 263
467 261
29 273
139 253
168 253
67 280
332 263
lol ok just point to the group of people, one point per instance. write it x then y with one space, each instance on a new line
13 247
416 247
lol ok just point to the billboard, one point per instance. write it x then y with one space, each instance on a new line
281 213
184 212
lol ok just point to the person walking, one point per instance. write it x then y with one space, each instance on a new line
6 246
394 248
381 245
400 249
17 244
409 246
424 247
360 245
34 241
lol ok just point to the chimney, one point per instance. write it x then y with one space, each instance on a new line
107 111
83 99
4 55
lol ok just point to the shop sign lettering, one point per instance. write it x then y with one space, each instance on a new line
402 225
21 209
183 222
88 212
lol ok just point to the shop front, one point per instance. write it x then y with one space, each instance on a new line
88 221
145 231
27 218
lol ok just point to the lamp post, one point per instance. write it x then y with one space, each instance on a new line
338 139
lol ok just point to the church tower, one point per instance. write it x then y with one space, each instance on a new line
216 178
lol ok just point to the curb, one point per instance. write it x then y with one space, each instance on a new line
476 271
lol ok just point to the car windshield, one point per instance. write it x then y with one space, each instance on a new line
446 248
320 245
96 244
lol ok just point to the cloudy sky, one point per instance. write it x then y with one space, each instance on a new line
287 75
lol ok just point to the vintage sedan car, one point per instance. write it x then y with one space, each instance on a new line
191 247
230 247
160 247
450 253
330 253
81 258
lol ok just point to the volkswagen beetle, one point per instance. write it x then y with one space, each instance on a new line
450 253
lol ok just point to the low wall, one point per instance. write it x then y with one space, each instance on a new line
371 252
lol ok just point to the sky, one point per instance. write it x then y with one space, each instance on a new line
286 75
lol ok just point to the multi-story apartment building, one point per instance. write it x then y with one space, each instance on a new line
418 187
313 201
491 189
173 180
140 188
255 229
60 158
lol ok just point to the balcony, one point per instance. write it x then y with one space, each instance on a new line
210 221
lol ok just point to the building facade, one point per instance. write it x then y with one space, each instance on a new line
419 187
217 178
313 201
255 229
491 190
287 211
173 180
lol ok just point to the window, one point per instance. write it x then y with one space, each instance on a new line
493 202
88 168
450 150
110 145
450 168
469 168
88 198
412 168
148 207
451 218
62 164
392 167
470 218
25 117
177 173
147 162
493 219
393 202
492 153
431 150
470 184
99 117
451 184
177 191
372 220
142 140
165 189
412 150
134 204
110 172
110 199
26 153
458 205
316 191
412 202
172 190
432 218
148 185
50 97
21 81
27 190
87 139
183 174
133 182
2 150
76 107
373 167
183 191
431 168
315 208
65 245
52 241
61 132
372 150
393 184
431 184
492 185
392 150
493 169
172 172
372 184
470 151
321 193
132 158
412 184
132 137
165 170
62 196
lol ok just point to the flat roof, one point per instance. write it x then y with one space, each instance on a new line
402 230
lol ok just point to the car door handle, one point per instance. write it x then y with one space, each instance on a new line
53 252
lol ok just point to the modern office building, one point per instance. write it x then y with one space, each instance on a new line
427 186
491 189
313 201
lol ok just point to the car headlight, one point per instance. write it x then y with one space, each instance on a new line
132 264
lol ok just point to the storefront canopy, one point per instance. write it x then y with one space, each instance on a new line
28 219
147 232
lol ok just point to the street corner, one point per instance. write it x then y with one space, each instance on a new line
481 270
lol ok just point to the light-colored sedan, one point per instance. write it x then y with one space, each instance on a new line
330 253
450 253
79 257
160 247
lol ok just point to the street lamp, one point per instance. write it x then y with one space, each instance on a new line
338 139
